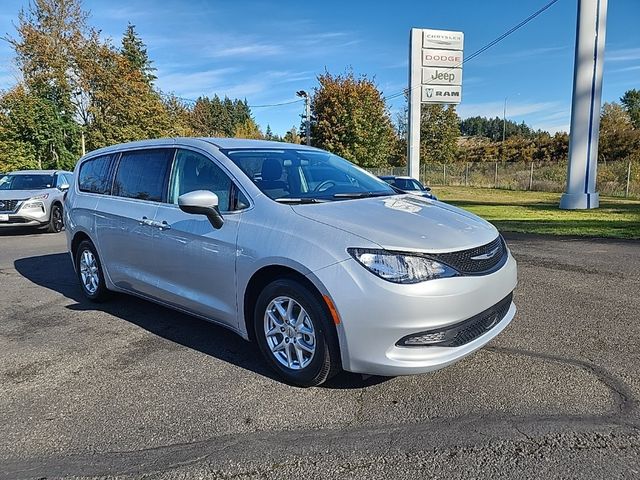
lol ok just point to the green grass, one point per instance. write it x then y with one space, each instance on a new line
538 212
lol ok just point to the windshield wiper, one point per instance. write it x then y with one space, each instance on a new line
299 200
361 194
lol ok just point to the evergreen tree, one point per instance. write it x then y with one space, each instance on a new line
631 102
135 51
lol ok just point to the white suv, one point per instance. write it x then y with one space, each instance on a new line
33 198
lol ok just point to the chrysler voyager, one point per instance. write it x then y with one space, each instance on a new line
323 265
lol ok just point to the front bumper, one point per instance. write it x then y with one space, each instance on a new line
28 218
376 314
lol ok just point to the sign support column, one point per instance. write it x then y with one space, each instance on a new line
585 106
415 93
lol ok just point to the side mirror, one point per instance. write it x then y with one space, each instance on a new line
64 187
427 189
202 202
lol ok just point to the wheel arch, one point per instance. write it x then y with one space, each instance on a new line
77 239
265 275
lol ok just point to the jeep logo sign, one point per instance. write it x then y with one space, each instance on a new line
441 76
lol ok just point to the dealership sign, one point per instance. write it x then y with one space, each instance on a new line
435 76
437 55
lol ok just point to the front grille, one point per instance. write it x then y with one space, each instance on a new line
8 205
478 260
464 332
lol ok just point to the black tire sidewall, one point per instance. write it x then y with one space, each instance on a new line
101 293
325 362
52 226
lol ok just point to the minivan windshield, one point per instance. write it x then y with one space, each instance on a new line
26 181
306 176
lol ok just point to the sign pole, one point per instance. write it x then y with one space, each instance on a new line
585 106
413 130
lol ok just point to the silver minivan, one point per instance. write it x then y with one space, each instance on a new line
322 264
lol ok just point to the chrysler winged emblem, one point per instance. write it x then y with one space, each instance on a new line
488 255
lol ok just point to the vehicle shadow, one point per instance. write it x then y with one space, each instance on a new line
55 272
21 231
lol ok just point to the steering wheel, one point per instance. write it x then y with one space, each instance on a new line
327 184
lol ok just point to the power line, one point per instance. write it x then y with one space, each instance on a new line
277 104
192 101
483 49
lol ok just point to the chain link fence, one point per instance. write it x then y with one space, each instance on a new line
618 179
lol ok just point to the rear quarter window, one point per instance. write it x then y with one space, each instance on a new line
94 175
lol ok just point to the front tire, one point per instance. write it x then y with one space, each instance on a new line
89 271
56 220
294 331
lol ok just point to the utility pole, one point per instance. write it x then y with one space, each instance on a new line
585 106
307 121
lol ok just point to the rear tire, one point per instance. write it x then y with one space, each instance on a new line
295 333
56 220
89 271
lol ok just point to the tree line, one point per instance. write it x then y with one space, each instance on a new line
79 92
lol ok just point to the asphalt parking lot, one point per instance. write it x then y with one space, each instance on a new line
128 389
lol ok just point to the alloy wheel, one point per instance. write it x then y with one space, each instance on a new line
89 272
289 332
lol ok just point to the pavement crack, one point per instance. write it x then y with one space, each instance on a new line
625 400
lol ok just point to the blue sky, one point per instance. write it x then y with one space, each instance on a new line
266 51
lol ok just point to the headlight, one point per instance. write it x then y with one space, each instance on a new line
400 267
42 196
32 205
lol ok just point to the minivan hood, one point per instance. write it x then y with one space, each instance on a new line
404 222
21 194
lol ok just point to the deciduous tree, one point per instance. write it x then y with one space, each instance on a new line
439 132
350 119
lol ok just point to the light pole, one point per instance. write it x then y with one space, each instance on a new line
585 107
504 119
307 122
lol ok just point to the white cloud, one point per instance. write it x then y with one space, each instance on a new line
622 55
193 84
626 69
250 49
495 109
493 59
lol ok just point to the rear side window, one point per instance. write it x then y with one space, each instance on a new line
142 174
94 175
